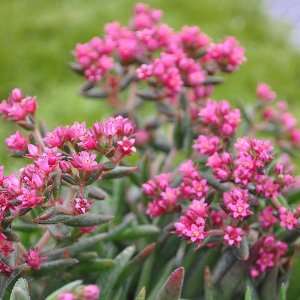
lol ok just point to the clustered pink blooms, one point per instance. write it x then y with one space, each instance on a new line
170 61
33 259
74 154
247 182
18 107
267 252
265 93
228 55
165 198
207 145
277 117
220 117
16 142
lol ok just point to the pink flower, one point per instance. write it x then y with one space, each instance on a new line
265 93
229 55
145 17
166 203
56 138
16 142
221 116
191 225
266 186
267 218
221 165
207 145
287 219
268 253
17 107
66 296
33 259
5 269
91 292
252 156
260 151
233 235
159 183
93 58
85 161
295 136
165 72
81 205
30 198
193 39
237 202
6 246
126 146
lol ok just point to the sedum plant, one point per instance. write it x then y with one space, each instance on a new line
206 208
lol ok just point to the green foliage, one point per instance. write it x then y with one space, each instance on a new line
20 290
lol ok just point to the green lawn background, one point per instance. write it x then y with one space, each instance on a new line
37 37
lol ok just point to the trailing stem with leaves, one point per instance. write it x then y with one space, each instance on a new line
200 195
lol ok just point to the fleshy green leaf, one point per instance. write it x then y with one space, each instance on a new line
66 288
120 262
118 172
173 286
85 220
283 291
20 290
141 295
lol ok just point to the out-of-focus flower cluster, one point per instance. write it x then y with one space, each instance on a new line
171 62
276 118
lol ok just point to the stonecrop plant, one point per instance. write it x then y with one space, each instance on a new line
200 194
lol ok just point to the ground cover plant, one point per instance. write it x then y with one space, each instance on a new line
200 195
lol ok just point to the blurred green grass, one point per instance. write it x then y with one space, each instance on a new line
37 38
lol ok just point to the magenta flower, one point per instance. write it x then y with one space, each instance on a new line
33 259
229 55
17 107
221 165
191 225
81 205
237 202
233 235
91 292
287 218
16 142
66 296
207 145
220 116
265 93
267 218
85 161
269 251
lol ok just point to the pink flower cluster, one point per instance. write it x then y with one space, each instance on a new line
275 114
158 54
237 203
220 117
265 93
267 253
191 225
18 107
66 155
165 198
244 189
228 55
87 292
